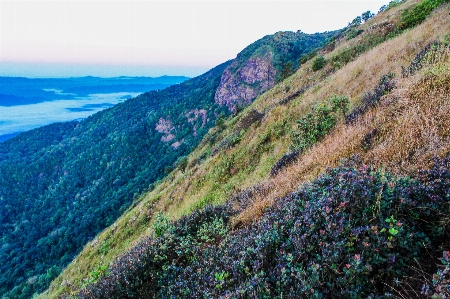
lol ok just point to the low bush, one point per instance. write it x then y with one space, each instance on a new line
152 264
284 161
318 122
419 12
355 232
368 140
371 99
438 284
305 57
250 118
295 94
353 32
432 53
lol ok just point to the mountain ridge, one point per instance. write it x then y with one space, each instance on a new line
385 134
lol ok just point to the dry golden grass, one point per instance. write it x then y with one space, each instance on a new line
413 122
413 129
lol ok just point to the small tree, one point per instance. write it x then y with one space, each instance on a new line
287 70
356 22
220 122
182 163
367 16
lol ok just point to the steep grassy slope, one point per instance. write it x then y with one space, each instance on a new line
62 184
399 128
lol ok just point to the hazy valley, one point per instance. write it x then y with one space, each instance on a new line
27 103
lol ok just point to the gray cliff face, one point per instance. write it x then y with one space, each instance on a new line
241 84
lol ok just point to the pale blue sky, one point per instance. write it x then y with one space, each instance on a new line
150 38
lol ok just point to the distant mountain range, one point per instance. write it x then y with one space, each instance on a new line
25 91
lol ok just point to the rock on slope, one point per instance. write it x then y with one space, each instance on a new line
258 67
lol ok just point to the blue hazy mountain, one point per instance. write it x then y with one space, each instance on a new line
24 91
27 103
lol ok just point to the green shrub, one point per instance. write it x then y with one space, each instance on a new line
182 163
220 122
319 63
305 57
212 231
161 224
318 122
287 70
353 32
418 13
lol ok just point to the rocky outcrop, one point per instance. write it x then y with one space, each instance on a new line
261 64
241 83
192 117
165 127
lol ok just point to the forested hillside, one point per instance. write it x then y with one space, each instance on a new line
63 183
60 185
334 183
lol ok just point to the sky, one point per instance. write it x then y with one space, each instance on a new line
150 38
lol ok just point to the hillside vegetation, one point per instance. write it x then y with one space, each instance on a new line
62 184
353 233
265 207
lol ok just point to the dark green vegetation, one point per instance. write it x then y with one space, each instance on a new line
355 232
319 122
371 98
318 63
418 13
60 185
